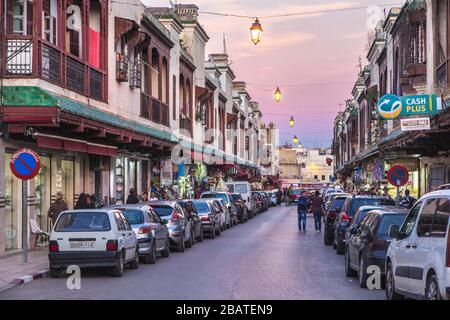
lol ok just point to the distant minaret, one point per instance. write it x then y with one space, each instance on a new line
224 45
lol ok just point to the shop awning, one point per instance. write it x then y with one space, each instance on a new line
68 144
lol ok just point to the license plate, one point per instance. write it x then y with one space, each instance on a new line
82 244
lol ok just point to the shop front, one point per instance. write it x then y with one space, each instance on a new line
414 181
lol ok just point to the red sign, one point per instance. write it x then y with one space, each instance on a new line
398 176
329 161
25 164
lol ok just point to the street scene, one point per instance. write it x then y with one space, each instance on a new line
224 150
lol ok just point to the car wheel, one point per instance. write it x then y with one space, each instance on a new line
349 272
219 231
432 290
135 263
389 287
212 232
117 271
55 272
340 247
151 257
200 238
362 273
181 245
166 252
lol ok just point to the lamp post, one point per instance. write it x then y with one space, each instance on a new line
256 31
295 140
292 122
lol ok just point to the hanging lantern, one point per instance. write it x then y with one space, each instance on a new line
292 122
277 95
256 31
295 140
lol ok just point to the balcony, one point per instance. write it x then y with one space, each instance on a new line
154 110
24 59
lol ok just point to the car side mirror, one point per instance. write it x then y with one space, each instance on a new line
352 230
394 232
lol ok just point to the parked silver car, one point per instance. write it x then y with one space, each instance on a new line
225 221
180 230
151 231
210 216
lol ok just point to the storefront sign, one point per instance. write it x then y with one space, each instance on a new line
391 106
25 164
398 176
415 124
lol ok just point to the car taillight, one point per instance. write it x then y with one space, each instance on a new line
448 251
112 245
144 230
204 218
345 217
175 216
53 246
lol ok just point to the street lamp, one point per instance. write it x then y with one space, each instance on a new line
256 31
277 95
292 122
295 140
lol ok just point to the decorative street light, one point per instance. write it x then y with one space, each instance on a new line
277 95
256 31
292 122
295 140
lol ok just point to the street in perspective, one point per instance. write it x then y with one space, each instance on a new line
224 151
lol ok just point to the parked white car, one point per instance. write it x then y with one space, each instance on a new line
418 258
93 238
244 188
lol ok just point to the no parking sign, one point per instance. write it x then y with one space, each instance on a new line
398 176
25 164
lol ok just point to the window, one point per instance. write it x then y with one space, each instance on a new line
94 33
440 220
316 177
164 82
323 178
73 27
426 218
19 15
83 222
50 20
120 223
125 222
134 217
410 221
155 74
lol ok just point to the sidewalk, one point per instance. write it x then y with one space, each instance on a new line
14 272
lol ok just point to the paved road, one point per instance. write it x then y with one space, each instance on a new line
266 258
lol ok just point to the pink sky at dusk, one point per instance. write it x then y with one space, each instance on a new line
317 48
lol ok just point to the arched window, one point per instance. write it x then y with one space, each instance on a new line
164 82
155 74
181 91
188 102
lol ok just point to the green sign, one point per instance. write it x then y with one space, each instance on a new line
391 106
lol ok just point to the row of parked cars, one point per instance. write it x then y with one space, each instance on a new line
411 248
124 235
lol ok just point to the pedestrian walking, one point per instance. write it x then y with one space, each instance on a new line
407 201
132 197
279 196
84 202
317 210
303 205
144 197
57 207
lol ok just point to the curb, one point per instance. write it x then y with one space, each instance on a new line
26 279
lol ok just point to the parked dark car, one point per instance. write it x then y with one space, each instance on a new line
330 216
226 197
369 241
240 206
357 218
348 210
190 212
209 216
151 231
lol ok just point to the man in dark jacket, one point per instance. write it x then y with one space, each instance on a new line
303 205
316 208
57 207
132 198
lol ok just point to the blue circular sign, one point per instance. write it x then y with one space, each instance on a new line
398 176
389 106
25 164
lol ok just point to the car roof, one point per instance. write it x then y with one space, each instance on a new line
214 192
162 203
391 210
437 193
102 210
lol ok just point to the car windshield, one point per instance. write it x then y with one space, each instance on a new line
202 207
83 222
357 203
222 196
236 197
163 211
337 203
296 191
387 221
361 215
240 188
134 216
